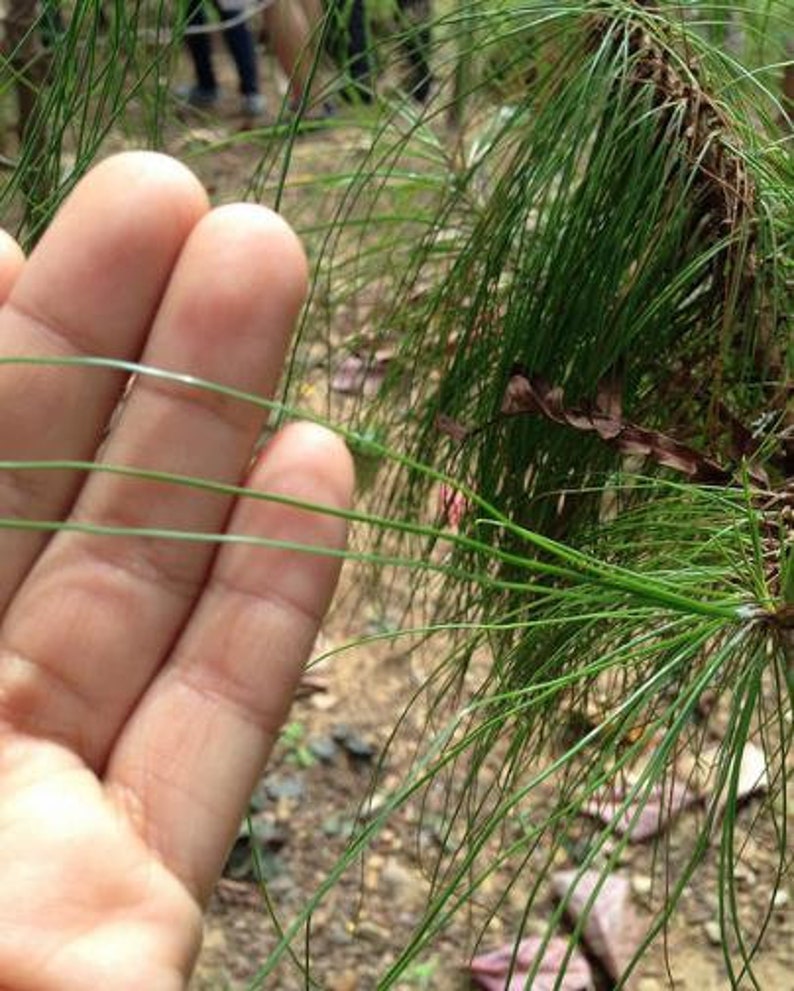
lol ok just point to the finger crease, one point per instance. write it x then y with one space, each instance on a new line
271 596
22 491
232 693
228 410
69 342
140 559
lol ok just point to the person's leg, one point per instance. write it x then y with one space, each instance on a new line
416 44
347 43
358 61
198 45
290 35
240 43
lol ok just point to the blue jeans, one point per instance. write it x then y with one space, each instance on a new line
238 40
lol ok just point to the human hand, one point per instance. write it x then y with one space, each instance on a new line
142 681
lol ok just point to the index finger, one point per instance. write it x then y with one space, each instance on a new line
91 287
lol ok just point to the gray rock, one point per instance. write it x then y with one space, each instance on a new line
323 748
284 786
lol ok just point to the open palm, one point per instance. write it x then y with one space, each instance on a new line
142 681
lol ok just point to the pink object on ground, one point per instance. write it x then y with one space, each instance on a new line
490 970
612 929
646 815
452 505
357 375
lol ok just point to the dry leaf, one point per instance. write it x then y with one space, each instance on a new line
753 774
452 428
532 394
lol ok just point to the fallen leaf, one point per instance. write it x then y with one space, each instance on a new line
492 971
753 776
703 767
609 395
452 428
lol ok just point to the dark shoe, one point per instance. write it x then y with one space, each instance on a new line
197 96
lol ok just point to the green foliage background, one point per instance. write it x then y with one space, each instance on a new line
581 251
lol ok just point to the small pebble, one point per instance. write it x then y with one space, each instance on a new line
323 748
744 875
371 806
372 932
268 833
282 884
353 743
347 981
323 701
284 786
713 932
339 935
259 799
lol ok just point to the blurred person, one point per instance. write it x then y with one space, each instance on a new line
294 27
416 45
292 32
349 43
205 92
